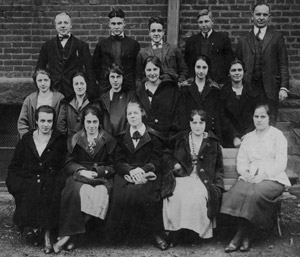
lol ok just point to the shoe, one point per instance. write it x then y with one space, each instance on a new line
245 245
48 246
174 238
48 249
231 248
70 246
160 242
58 246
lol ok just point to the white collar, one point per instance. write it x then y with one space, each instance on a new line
121 35
111 93
262 31
238 91
141 130
208 33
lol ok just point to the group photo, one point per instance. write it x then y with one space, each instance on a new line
150 128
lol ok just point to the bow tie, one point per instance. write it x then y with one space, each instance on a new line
149 93
117 37
157 45
62 37
136 135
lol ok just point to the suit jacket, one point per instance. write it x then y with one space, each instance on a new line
78 60
275 73
220 54
173 63
103 58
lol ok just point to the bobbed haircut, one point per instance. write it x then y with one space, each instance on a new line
44 72
46 109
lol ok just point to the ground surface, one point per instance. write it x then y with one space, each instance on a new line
13 244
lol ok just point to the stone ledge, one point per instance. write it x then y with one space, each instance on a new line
14 90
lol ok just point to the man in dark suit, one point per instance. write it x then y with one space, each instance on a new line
173 64
264 53
64 55
117 48
215 45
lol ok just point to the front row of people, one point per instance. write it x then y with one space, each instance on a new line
129 182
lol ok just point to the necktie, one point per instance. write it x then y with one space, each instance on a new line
136 135
62 37
257 35
206 35
149 93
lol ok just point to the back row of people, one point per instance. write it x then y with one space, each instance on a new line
262 49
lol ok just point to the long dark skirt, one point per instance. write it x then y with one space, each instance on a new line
254 202
134 206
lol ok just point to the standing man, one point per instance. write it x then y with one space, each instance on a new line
174 67
215 45
264 53
117 48
64 55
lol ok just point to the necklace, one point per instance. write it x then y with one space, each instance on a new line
194 148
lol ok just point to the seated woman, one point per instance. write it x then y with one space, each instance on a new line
203 94
193 188
43 96
136 191
35 176
90 172
69 116
159 98
238 104
114 102
261 163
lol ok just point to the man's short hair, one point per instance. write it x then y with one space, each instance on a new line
62 13
205 12
261 3
116 13
156 19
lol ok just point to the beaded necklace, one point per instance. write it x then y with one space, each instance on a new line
194 153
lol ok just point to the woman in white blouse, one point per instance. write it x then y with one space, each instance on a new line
261 164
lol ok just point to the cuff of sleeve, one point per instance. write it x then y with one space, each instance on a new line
285 89
148 167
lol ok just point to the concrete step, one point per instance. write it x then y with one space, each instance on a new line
289 115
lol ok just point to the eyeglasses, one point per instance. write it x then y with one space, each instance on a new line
156 30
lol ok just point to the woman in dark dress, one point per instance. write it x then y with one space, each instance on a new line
159 98
203 94
193 187
69 116
136 191
113 102
90 172
261 164
35 176
238 104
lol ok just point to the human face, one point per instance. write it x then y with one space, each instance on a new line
205 23
45 122
79 85
63 24
261 16
201 69
91 124
134 115
156 32
152 72
261 119
115 81
116 25
43 82
236 72
197 125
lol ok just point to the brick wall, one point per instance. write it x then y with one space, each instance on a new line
26 24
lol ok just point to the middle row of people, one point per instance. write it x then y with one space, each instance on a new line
167 108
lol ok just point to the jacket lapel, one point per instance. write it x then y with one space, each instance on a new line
128 141
193 89
144 140
55 44
143 97
267 39
106 101
73 47
165 49
250 40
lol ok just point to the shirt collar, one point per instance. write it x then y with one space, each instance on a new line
208 33
262 31
161 42
121 35
141 130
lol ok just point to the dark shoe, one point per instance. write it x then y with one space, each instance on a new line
231 248
245 245
160 242
174 238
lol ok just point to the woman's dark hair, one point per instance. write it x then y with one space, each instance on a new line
238 61
79 74
44 72
201 113
139 104
203 58
266 106
94 111
115 68
46 109
156 61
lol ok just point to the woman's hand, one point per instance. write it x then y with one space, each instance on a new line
88 174
237 142
177 166
137 175
256 179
